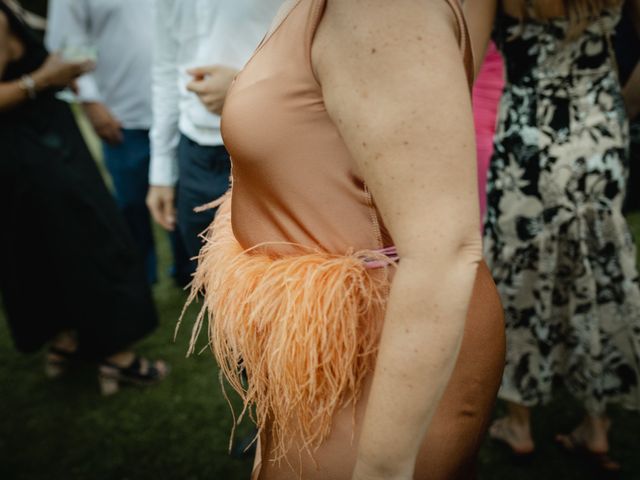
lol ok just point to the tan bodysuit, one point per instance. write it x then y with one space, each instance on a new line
289 295
294 179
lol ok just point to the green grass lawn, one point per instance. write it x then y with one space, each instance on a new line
180 429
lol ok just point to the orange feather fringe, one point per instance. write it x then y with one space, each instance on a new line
305 328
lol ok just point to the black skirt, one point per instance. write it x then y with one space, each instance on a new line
67 260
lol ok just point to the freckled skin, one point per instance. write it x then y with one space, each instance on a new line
419 97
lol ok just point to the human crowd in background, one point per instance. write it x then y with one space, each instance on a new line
556 106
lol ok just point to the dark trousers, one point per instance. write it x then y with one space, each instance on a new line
128 165
204 176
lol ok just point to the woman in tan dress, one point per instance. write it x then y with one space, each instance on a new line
352 142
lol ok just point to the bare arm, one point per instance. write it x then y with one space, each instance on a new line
394 83
631 91
11 94
54 73
480 16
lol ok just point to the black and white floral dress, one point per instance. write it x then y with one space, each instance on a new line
555 238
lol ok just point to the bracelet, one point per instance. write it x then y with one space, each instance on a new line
28 84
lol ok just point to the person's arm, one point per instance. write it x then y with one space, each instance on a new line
11 93
165 134
54 73
69 20
480 15
631 90
397 91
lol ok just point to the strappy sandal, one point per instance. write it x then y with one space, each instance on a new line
607 467
57 361
517 456
140 372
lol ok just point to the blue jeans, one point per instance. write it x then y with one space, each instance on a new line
128 165
204 176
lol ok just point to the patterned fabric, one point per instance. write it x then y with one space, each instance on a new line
555 238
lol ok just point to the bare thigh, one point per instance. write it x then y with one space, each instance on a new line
450 447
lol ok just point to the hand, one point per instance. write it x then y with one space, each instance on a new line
211 84
58 73
161 203
104 123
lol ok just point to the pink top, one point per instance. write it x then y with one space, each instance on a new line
486 97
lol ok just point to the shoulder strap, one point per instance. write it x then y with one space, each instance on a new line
464 40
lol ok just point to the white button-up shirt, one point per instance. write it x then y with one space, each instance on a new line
122 33
195 33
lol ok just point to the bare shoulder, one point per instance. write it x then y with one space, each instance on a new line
354 31
392 22
394 84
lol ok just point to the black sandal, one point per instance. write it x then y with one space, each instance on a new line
140 372
606 466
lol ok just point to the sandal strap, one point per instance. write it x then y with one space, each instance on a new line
134 370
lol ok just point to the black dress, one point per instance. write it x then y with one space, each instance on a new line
67 260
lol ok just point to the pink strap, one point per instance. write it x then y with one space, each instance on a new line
391 255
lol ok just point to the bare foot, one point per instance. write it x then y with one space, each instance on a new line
517 436
590 439
592 434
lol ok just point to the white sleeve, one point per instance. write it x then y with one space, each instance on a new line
68 20
165 133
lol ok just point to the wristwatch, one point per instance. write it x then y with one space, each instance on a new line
28 84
